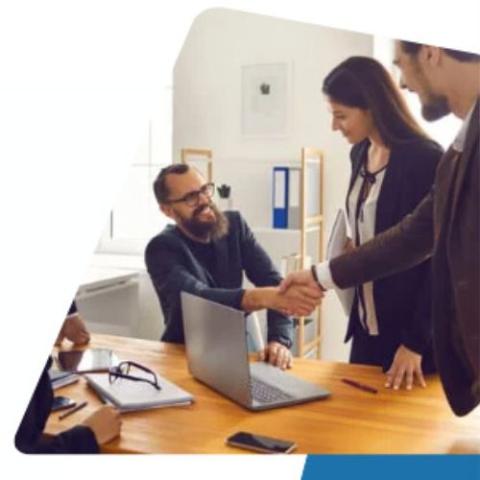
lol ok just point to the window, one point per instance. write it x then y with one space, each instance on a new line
135 217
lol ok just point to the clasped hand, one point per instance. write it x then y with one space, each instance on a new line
298 295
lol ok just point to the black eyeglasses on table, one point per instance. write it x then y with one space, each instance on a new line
122 370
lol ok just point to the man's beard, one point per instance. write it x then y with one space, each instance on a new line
434 105
436 108
212 230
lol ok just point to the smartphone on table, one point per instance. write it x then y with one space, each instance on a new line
62 403
260 443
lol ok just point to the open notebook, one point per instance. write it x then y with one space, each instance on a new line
128 395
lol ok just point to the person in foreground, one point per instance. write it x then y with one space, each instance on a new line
99 428
393 168
207 252
445 226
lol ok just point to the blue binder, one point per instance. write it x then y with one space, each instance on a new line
280 197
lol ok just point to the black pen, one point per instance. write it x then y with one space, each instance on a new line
73 410
361 386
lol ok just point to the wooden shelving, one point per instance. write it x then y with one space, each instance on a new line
309 224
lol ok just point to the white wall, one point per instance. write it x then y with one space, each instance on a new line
207 113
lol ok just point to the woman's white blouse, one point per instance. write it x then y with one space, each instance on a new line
366 231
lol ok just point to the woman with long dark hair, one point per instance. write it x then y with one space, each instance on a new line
393 167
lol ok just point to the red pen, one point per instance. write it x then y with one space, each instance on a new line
360 386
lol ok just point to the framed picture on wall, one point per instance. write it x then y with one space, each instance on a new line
265 99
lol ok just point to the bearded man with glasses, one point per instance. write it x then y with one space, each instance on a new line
207 252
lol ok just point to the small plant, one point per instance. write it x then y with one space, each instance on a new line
224 191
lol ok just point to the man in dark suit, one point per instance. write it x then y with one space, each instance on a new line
207 253
445 226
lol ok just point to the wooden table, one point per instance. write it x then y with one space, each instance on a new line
350 421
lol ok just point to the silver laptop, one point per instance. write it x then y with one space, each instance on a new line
216 343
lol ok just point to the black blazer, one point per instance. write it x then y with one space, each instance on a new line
402 301
173 269
30 437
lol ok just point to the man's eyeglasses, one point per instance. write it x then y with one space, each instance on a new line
192 199
123 369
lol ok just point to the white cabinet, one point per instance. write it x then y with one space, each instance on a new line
108 301
117 297
111 308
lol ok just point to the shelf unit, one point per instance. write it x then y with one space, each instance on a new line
309 224
196 156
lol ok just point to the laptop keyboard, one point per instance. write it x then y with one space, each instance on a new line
265 393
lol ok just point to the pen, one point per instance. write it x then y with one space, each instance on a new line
361 386
73 410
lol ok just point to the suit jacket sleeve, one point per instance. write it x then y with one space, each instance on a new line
73 308
399 248
165 264
260 270
30 438
78 439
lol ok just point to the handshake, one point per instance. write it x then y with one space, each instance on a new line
298 295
